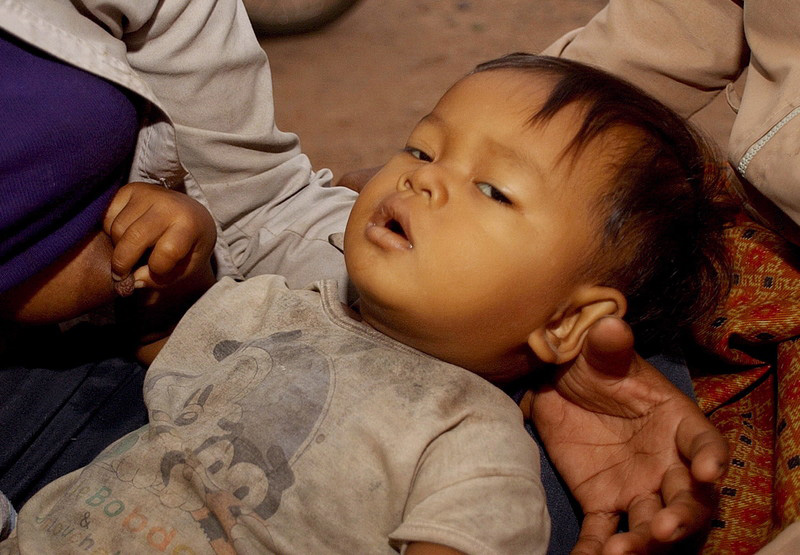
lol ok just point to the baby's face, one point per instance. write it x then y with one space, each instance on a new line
472 236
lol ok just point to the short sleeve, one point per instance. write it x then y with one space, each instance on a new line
478 490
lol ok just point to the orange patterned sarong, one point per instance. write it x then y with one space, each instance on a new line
750 388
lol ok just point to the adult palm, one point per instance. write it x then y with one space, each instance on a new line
627 441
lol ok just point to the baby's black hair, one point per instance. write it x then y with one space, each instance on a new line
663 217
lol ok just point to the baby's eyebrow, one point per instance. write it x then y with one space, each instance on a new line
525 160
431 118
434 121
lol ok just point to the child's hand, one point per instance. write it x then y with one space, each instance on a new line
176 229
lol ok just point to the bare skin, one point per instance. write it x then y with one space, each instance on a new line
643 430
176 234
633 432
620 435
609 388
357 179
624 438
176 231
78 282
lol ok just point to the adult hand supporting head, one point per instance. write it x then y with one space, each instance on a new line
625 440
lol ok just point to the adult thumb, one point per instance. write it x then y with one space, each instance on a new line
608 348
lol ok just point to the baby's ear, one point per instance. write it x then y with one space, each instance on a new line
561 339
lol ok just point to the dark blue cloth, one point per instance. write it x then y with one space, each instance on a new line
65 397
66 142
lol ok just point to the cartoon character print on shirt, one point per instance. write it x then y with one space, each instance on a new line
227 454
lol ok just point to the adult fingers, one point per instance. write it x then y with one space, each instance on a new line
700 442
639 537
687 507
608 348
596 529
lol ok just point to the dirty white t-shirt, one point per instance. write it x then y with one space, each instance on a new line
280 423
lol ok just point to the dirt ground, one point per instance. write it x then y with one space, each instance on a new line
354 90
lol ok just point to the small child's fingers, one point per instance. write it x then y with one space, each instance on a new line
131 246
143 279
124 287
117 205
173 247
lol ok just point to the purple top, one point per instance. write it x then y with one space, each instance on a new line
66 141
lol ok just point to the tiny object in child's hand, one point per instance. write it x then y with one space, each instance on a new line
124 287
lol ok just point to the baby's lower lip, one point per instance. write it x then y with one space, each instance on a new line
386 238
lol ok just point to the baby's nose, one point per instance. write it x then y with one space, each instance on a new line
430 181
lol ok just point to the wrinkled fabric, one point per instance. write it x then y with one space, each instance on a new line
747 379
208 124
686 53
281 423
207 129
65 397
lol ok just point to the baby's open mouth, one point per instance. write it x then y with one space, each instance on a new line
389 227
395 227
